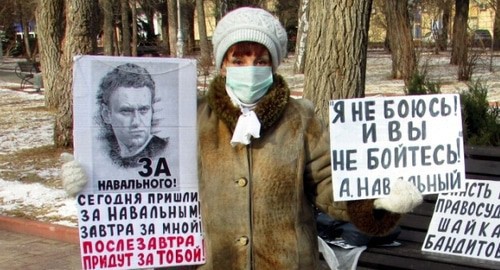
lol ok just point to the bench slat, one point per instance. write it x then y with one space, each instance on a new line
415 222
483 168
425 209
411 236
483 152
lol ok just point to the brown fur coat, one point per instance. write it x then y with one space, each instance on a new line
256 200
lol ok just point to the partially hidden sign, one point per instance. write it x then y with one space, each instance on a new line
377 140
467 223
135 136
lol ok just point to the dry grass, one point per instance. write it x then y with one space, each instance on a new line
35 165
25 165
27 154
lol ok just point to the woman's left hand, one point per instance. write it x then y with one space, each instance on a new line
404 197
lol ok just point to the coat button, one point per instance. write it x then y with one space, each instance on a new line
242 182
242 241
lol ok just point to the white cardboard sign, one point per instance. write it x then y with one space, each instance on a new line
140 208
375 141
467 223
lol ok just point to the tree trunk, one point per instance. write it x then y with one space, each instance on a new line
300 45
124 5
172 26
400 40
49 15
460 41
496 27
205 57
26 33
187 23
79 39
220 9
336 51
108 27
164 30
443 37
133 47
116 37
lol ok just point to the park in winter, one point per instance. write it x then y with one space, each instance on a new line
406 90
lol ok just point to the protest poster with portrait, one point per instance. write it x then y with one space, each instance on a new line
377 140
467 223
135 136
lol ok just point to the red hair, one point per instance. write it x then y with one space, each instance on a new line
246 48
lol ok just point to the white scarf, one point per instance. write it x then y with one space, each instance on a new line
248 124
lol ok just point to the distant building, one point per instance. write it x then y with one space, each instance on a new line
425 21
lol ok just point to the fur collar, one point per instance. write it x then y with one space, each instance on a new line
269 109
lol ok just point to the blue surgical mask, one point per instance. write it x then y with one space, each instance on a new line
249 83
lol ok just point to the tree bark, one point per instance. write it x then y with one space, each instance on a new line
443 37
459 47
187 25
205 57
108 27
336 51
172 26
49 15
133 46
302 29
164 29
459 53
400 40
117 42
79 39
125 8
496 27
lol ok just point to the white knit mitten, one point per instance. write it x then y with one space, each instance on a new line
404 197
73 175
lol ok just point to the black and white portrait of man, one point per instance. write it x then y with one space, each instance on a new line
126 97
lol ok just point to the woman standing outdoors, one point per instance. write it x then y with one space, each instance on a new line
264 158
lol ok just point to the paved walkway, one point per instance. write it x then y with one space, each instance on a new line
24 251
27 244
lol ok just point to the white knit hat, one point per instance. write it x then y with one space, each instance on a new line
250 24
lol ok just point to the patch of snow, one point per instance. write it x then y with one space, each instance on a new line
17 195
24 126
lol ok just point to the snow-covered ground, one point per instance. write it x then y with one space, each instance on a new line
438 70
26 124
